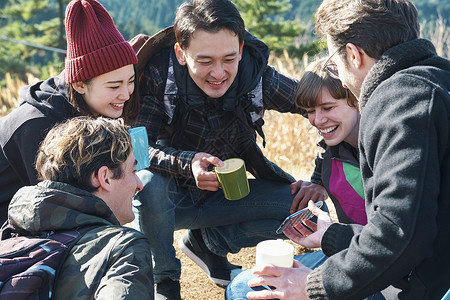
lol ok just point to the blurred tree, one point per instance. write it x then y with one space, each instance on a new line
41 22
140 16
303 10
25 22
264 19
279 23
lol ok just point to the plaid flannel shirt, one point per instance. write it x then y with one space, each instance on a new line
211 129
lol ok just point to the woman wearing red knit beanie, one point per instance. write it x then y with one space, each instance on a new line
99 79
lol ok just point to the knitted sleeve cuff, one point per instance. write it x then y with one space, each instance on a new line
314 285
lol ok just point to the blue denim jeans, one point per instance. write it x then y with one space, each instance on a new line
238 287
227 226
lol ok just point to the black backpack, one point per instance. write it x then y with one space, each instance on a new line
29 265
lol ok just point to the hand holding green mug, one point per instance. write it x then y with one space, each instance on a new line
233 179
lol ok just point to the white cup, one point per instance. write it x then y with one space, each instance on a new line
275 252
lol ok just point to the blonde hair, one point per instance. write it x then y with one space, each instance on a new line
80 146
308 91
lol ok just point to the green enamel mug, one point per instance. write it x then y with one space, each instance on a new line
233 179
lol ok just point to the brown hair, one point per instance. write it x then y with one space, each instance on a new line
373 25
80 146
308 91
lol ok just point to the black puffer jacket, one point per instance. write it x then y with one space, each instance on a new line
21 132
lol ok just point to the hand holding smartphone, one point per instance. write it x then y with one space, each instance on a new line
297 217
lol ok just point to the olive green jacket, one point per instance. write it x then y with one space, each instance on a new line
108 262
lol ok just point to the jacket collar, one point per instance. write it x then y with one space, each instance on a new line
392 61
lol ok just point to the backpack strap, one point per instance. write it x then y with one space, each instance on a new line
8 231
71 237
170 90
255 109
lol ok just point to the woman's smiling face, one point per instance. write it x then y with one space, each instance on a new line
335 120
106 94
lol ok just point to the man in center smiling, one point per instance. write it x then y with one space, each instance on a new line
205 84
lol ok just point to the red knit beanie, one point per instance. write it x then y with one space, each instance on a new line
94 45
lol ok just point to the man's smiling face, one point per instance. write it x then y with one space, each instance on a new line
212 59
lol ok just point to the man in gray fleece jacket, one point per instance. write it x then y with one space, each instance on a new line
404 143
